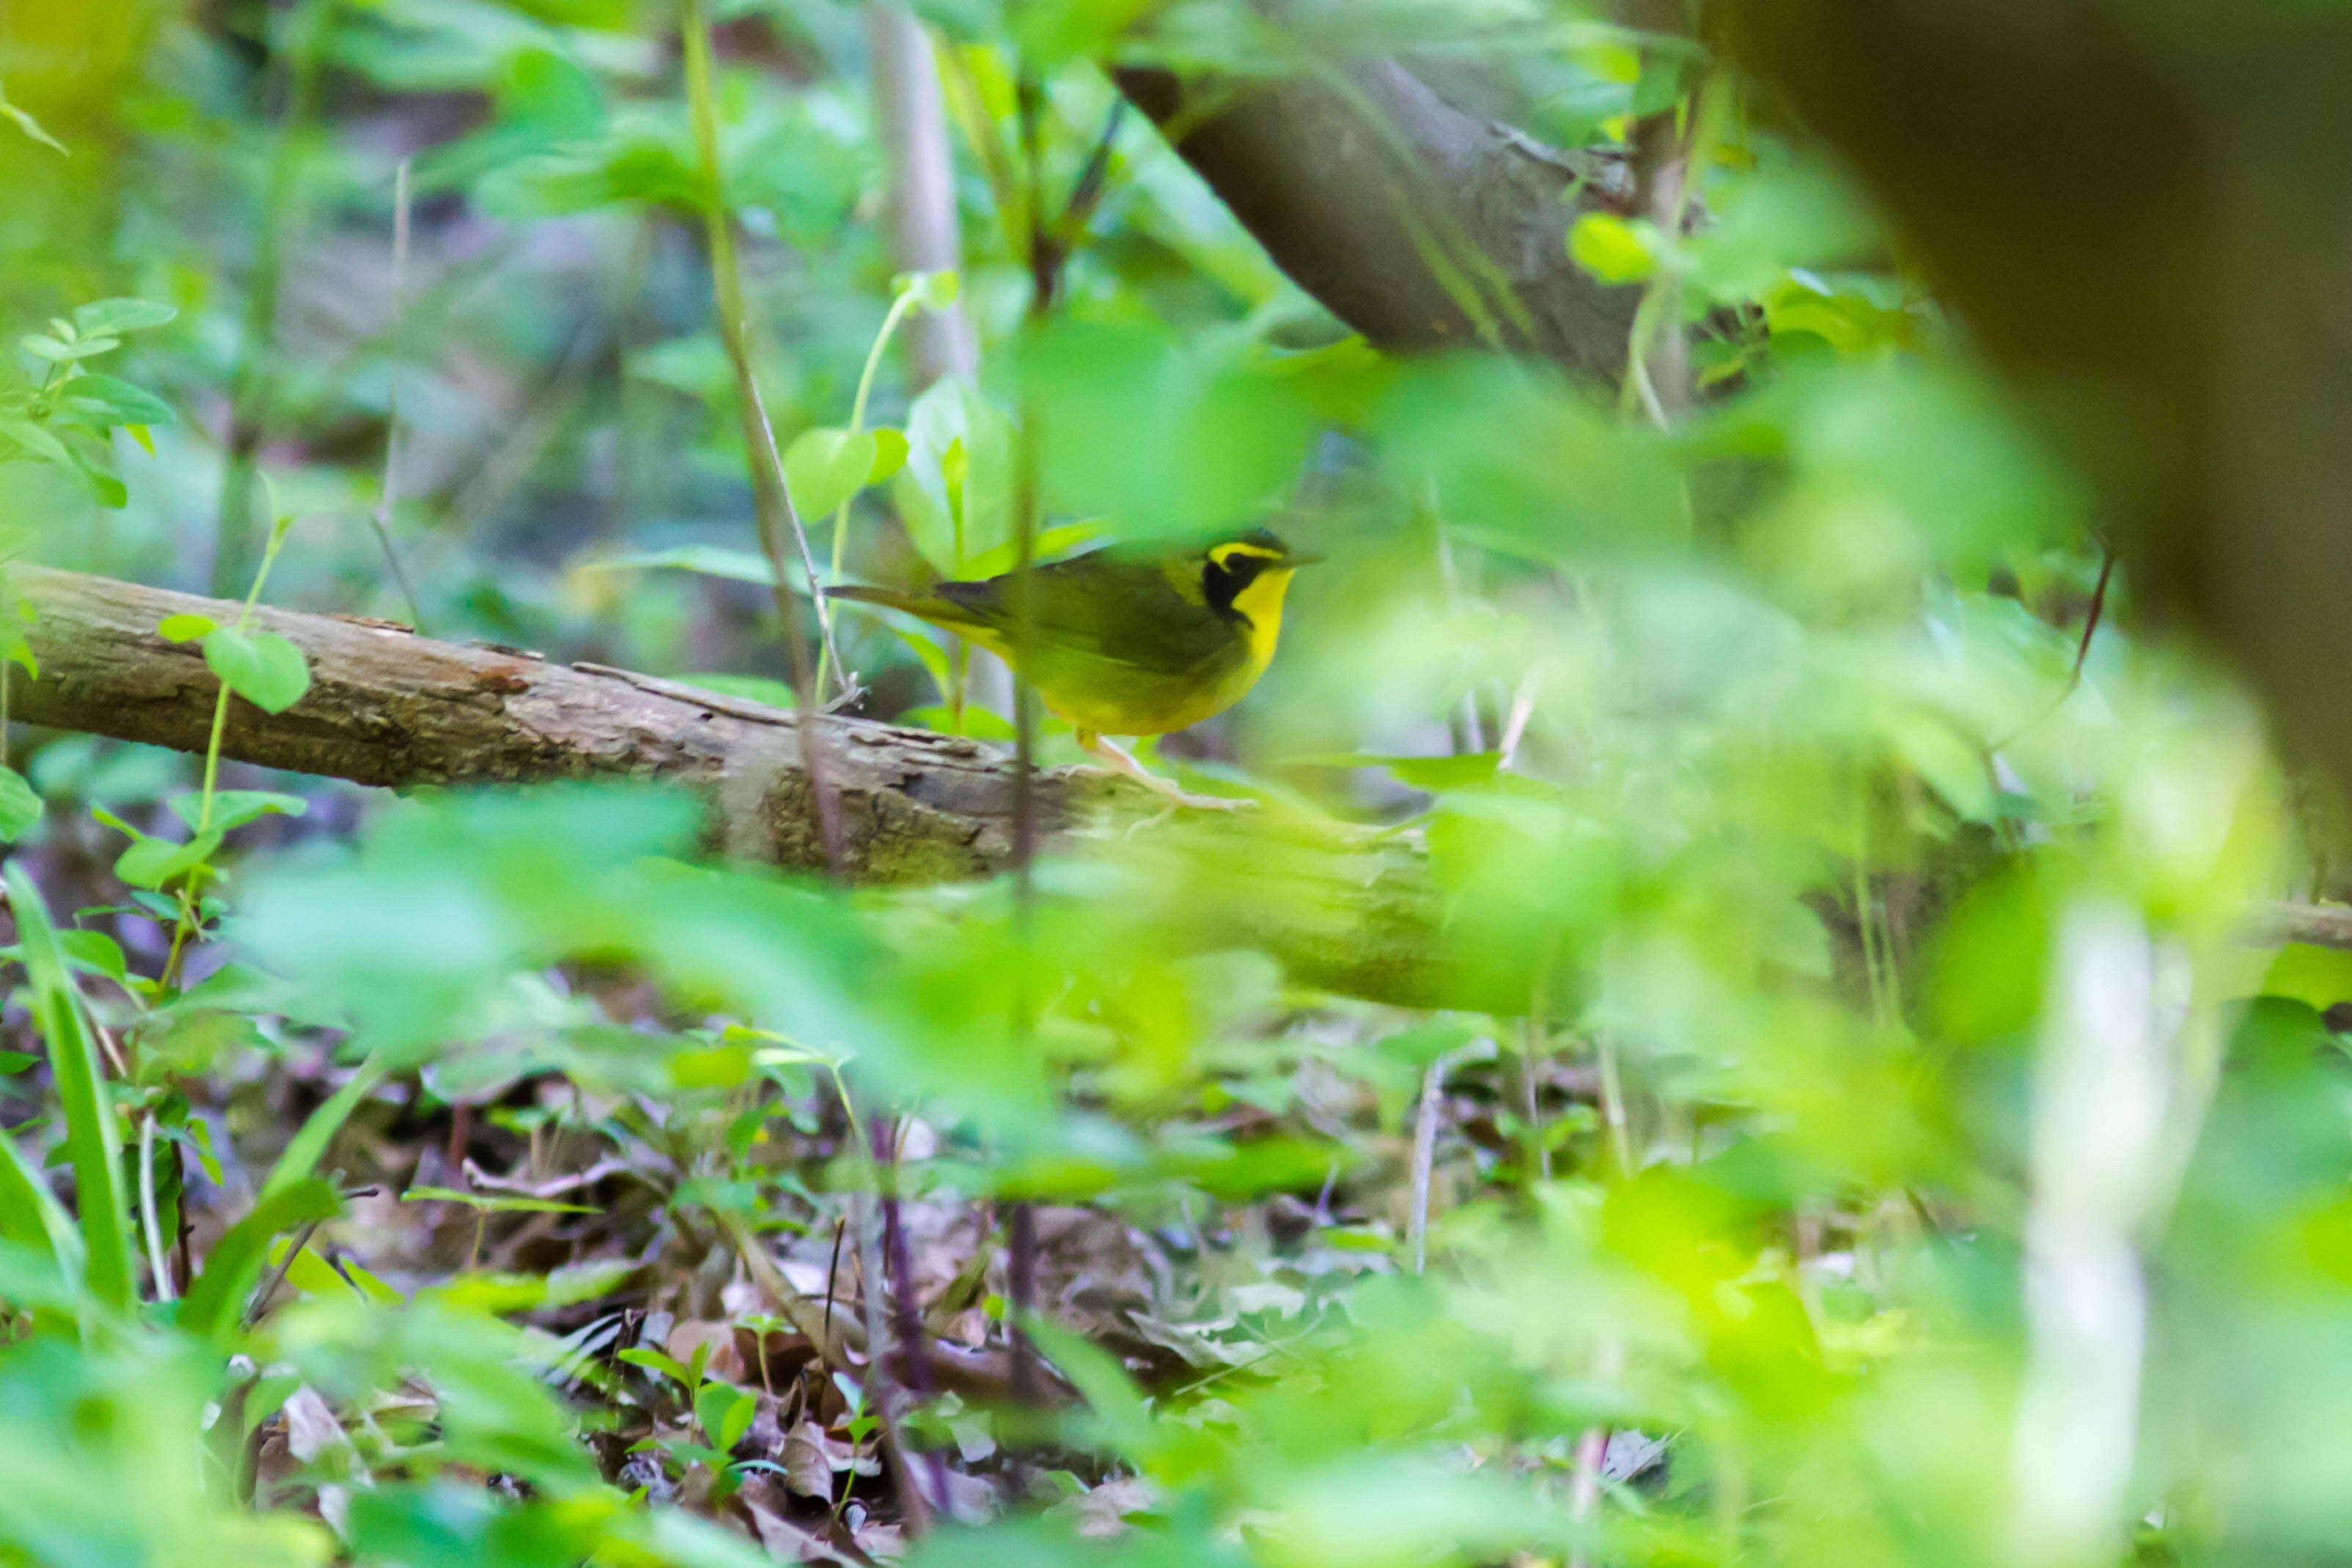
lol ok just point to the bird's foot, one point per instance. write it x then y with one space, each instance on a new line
1119 763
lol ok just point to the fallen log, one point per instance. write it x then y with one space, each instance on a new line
1339 909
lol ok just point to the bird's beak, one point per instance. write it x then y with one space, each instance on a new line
1300 557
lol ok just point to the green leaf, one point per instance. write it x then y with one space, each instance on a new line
1430 773
104 488
725 1413
36 441
494 1203
154 862
233 808
93 1135
121 315
113 401
824 467
1056 540
932 656
655 1360
710 560
95 952
20 805
185 627
262 667
30 1215
889 453
933 290
1103 1383
41 345
1609 248
2320 977
28 125
309 1145
215 1301
199 1138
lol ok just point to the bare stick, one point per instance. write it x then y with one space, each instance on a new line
771 498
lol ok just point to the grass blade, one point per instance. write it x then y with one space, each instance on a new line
93 1136
215 1301
309 1145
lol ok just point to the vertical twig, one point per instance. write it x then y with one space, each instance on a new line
388 493
2091 618
1021 1285
914 1345
1044 275
1425 1154
234 536
158 1263
772 499
1593 1449
1609 1355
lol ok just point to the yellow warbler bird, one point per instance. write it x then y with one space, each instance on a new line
1129 640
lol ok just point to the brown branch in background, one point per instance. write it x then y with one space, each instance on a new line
1292 158
1087 190
2091 617
1021 1291
914 1345
771 499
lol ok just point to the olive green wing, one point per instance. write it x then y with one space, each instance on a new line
1126 609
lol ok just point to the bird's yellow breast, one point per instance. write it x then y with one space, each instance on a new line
1261 601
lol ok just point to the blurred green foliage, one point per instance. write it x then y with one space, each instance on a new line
1864 1133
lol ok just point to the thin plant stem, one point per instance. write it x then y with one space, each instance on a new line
149 1220
1613 1103
278 1275
306 60
1425 1154
1020 1282
387 494
1864 917
899 306
898 309
1044 279
771 498
186 924
914 1345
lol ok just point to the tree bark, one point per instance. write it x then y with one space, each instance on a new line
1419 226
1339 910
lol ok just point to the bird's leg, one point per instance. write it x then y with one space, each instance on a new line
1118 761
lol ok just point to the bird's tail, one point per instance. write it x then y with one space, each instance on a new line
890 597
934 607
